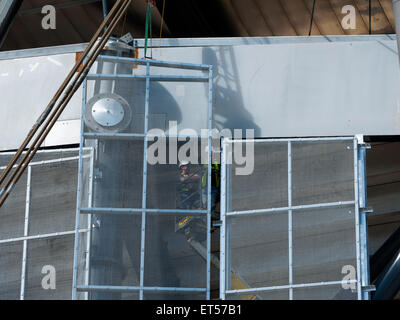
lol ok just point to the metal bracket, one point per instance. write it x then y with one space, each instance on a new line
366 210
128 39
369 288
364 145
361 143
98 174
217 223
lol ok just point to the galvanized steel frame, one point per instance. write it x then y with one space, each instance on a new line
361 233
143 210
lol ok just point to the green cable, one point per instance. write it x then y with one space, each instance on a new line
146 33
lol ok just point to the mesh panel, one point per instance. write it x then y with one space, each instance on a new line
259 249
132 91
263 295
323 171
165 188
56 252
333 292
266 187
12 213
114 253
53 198
82 273
41 155
118 174
52 209
173 296
58 154
115 243
182 102
167 99
169 256
130 296
10 266
114 296
324 241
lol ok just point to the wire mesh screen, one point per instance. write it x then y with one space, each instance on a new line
324 241
291 226
53 198
138 116
117 177
282 294
169 256
110 254
10 270
36 228
322 171
12 213
258 249
267 185
184 104
43 256
332 292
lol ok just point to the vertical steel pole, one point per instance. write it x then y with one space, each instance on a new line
290 222
105 8
362 186
209 168
105 11
143 231
89 221
78 196
222 258
228 207
357 218
26 232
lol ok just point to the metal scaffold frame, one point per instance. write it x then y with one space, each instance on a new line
147 77
359 204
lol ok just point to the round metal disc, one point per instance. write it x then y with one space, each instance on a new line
108 112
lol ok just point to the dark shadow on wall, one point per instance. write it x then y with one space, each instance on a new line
229 108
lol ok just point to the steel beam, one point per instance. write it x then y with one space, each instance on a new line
290 219
293 286
362 185
144 190
136 289
301 207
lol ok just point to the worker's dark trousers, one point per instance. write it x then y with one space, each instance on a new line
190 200
214 199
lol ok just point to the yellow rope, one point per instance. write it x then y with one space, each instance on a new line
162 20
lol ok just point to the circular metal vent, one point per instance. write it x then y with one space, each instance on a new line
108 112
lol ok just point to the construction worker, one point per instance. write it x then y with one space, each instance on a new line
189 193
190 196
215 184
